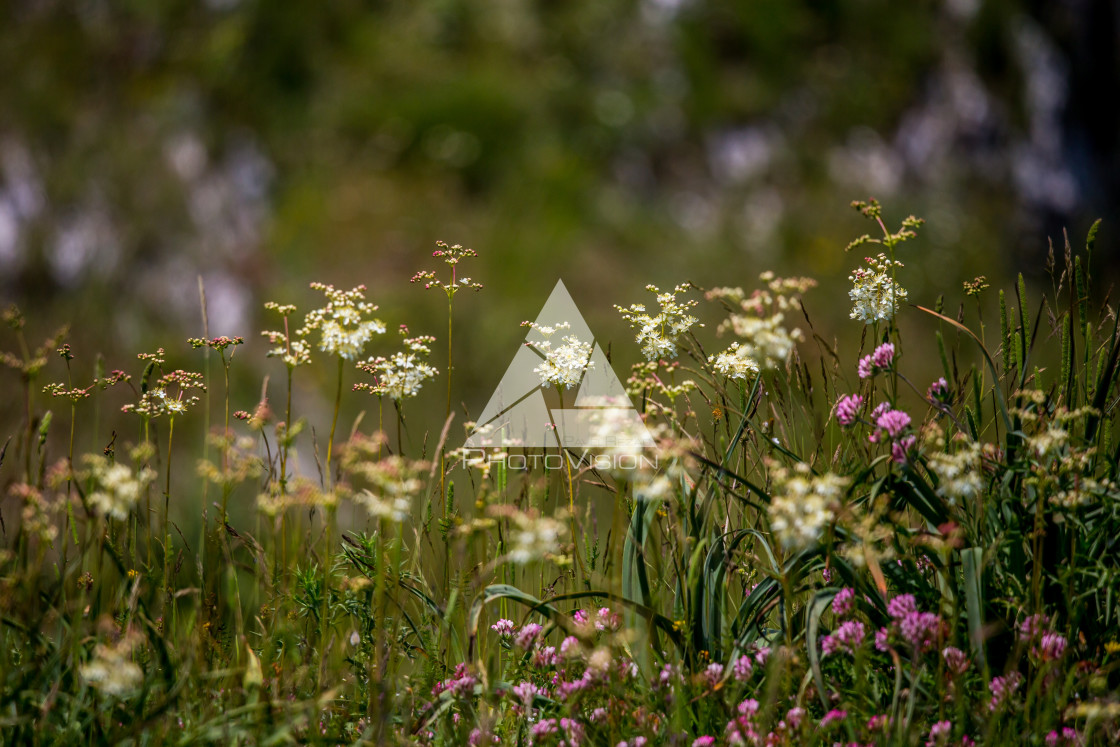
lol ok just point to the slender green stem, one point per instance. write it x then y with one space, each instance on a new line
334 421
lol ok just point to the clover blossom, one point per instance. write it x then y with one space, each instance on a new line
847 638
847 409
880 360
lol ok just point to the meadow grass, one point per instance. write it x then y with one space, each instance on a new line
826 546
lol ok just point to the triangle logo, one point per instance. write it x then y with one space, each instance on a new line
520 415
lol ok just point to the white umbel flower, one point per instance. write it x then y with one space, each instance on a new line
343 325
958 474
535 538
565 364
112 670
802 505
734 363
391 509
875 295
658 333
117 488
401 375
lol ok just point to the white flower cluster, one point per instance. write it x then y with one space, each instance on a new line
292 352
658 334
112 670
875 295
343 327
395 480
535 538
802 504
1049 442
402 374
761 325
565 364
958 474
1085 490
394 509
734 363
117 489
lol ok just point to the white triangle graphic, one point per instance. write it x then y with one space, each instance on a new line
518 415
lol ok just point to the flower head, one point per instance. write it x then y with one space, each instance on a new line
565 364
734 363
803 504
875 295
402 374
343 324
658 333
847 409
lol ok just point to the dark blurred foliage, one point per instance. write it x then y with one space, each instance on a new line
263 145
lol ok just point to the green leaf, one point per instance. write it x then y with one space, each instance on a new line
972 561
816 608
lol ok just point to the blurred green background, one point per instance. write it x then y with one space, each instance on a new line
263 145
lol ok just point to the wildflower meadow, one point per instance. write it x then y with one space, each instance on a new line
910 541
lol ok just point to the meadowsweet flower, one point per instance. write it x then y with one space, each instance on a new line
343 324
802 505
535 538
169 394
759 319
116 487
401 375
394 481
111 670
1049 442
657 334
293 351
847 409
563 365
451 256
958 473
875 295
391 509
734 363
